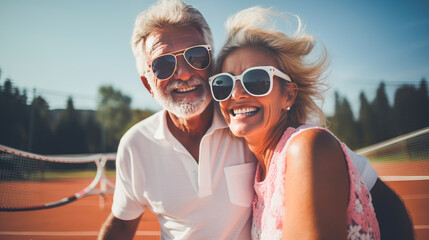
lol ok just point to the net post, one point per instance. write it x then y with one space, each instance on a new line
103 185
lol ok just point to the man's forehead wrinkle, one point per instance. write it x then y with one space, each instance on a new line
155 47
152 43
169 40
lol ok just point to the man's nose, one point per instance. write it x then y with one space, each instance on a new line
183 70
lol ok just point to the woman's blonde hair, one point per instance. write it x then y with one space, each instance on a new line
164 14
250 28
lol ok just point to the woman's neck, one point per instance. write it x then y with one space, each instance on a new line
264 147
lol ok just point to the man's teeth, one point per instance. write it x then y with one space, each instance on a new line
247 110
186 89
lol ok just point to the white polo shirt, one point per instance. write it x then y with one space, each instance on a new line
209 200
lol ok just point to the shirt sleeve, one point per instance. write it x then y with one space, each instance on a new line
126 205
365 170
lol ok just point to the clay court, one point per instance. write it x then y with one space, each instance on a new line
83 218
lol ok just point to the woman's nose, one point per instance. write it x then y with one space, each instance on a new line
239 91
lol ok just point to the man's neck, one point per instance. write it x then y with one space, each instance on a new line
189 131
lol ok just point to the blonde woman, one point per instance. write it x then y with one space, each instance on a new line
306 185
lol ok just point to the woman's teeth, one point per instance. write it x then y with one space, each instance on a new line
244 111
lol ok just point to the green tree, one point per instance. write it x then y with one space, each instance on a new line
114 114
347 126
366 122
411 108
139 115
405 109
69 133
93 135
382 114
343 124
14 116
333 120
42 131
423 103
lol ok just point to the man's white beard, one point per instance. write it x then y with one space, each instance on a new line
182 109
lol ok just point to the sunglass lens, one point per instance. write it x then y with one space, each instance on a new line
163 67
222 87
198 57
257 81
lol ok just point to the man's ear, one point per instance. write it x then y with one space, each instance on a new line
146 84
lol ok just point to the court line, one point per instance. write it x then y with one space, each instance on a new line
415 196
404 178
95 233
421 227
70 233
148 233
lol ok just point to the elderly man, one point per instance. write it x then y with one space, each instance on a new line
182 163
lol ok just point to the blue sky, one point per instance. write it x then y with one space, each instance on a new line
71 48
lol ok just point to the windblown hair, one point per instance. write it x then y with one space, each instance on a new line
164 14
253 28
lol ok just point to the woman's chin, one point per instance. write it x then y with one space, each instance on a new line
240 130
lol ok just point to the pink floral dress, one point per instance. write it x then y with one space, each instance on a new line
268 208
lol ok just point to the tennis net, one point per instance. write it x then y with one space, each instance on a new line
31 181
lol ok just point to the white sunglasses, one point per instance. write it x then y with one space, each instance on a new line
257 81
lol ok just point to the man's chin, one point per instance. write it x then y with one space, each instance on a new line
187 110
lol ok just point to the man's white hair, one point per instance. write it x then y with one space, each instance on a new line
164 14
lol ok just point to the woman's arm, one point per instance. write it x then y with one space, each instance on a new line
316 188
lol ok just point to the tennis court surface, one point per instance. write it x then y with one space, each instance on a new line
83 218
411 181
78 220
402 162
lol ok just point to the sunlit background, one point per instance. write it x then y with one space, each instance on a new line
71 48
69 85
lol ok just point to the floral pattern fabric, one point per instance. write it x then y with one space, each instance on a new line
268 208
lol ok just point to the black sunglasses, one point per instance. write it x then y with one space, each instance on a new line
257 81
198 57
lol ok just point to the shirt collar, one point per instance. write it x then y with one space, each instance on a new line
218 120
217 123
